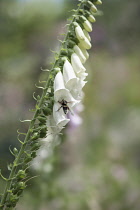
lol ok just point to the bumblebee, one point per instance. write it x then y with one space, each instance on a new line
64 106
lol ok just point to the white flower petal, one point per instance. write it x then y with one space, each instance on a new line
79 53
76 63
69 76
59 89
82 75
59 116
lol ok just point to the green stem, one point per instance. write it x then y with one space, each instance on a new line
22 149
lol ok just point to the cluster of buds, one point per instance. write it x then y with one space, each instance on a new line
71 73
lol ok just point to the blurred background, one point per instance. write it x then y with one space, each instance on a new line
98 164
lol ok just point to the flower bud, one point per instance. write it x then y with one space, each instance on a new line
99 2
84 51
92 6
79 33
87 35
87 25
85 44
76 64
79 53
91 18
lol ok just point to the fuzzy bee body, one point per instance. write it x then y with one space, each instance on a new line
64 106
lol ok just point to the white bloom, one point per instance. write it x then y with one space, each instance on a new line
79 53
87 34
84 51
87 25
79 33
60 92
59 89
59 116
69 76
76 64
85 43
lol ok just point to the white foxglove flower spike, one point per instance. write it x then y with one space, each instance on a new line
59 115
69 76
80 54
76 64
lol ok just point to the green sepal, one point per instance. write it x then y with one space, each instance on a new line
36 146
21 174
41 119
35 136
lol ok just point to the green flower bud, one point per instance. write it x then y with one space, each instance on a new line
42 119
21 174
35 136
35 147
46 111
15 151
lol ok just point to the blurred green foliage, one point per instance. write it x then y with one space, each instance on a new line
97 166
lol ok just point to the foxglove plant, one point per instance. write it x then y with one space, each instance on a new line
61 93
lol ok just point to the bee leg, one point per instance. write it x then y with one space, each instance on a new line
59 108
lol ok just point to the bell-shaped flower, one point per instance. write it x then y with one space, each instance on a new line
59 115
84 51
79 33
59 88
76 63
60 92
69 76
85 44
80 54
87 35
87 25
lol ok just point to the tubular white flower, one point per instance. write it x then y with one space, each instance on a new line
79 33
92 19
79 53
59 89
87 35
59 116
87 25
76 64
60 92
85 44
84 51
69 76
